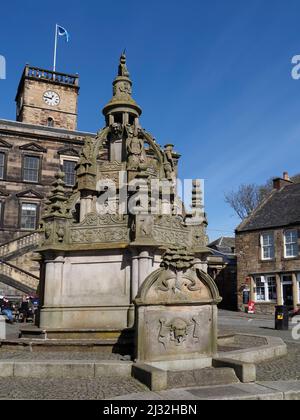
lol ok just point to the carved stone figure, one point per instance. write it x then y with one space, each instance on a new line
123 71
135 150
116 130
169 165
86 160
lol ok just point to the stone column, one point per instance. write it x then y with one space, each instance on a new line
279 290
295 291
134 275
86 206
53 281
143 266
111 119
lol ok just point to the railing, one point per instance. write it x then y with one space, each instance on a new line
51 76
18 275
18 244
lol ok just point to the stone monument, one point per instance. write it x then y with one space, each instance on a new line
96 252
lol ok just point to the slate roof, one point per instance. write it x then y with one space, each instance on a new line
225 244
280 209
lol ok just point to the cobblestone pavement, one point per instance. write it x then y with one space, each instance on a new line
68 389
284 368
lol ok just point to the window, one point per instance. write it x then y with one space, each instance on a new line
266 290
50 122
267 246
31 167
28 216
2 164
291 244
69 171
260 289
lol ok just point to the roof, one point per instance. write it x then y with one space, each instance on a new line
281 208
224 244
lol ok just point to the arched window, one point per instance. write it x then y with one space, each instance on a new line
50 122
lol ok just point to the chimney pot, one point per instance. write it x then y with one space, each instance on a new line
286 176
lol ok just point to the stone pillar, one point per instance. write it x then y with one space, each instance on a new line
53 281
143 266
125 118
134 275
295 291
279 290
111 119
86 206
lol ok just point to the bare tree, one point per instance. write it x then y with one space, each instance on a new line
244 200
249 196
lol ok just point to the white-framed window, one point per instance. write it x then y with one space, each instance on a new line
291 248
31 168
2 164
267 246
266 289
28 216
69 171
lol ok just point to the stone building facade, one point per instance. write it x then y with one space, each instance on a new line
267 248
43 141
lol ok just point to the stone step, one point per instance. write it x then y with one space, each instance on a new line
201 377
72 369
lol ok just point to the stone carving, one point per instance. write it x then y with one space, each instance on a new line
169 165
57 201
100 235
60 232
135 150
93 219
87 159
123 71
116 130
177 331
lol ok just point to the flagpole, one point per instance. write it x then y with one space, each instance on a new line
55 49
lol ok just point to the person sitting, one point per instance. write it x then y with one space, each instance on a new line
7 311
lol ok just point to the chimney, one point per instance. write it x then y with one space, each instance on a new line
279 183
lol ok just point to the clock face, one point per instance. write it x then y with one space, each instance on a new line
51 98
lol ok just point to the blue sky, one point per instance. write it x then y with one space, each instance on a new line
212 76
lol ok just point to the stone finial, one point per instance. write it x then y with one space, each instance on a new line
57 201
123 71
178 258
122 101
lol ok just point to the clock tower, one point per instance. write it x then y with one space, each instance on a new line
48 98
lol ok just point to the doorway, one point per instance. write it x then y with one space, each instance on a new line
287 290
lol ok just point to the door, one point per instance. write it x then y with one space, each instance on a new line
287 290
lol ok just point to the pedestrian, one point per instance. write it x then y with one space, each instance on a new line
6 310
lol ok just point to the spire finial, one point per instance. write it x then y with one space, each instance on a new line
123 71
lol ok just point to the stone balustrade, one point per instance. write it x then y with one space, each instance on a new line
18 275
51 76
19 244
